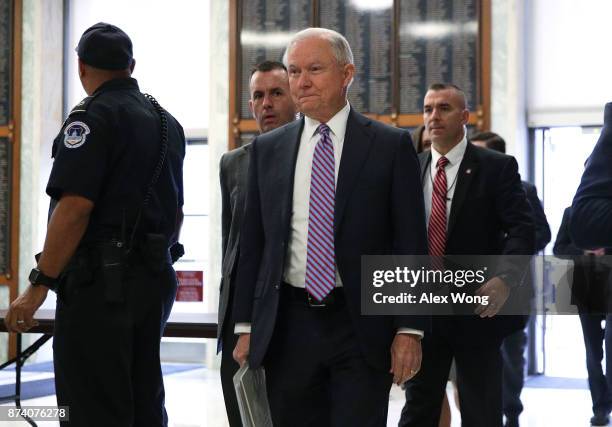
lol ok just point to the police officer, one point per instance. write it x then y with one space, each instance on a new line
116 210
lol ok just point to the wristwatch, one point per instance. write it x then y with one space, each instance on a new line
37 277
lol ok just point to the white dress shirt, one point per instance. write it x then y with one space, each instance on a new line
295 260
454 156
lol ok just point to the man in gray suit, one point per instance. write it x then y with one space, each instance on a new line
272 107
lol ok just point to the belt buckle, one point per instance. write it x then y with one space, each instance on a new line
313 303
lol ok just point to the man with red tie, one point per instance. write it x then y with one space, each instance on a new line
474 205
323 191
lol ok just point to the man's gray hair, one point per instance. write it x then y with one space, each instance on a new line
340 46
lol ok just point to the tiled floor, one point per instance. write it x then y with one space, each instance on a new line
194 399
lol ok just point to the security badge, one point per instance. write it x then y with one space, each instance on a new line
75 134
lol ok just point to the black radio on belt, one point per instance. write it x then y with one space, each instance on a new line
113 256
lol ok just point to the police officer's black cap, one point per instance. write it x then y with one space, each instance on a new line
105 46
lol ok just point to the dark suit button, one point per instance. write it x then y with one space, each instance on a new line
277 287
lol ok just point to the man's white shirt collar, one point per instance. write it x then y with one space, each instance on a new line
454 156
336 124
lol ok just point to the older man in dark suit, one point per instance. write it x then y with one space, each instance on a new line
323 191
272 107
591 220
475 205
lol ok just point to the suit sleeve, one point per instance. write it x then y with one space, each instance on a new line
251 245
542 229
181 195
514 211
408 217
564 247
226 209
591 219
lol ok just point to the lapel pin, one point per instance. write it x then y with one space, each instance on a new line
468 171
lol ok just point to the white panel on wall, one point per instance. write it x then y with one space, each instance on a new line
569 61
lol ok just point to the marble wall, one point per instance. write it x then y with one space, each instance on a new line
218 142
508 80
41 116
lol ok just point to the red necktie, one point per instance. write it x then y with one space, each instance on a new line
436 231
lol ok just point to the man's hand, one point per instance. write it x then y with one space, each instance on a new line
498 292
406 357
241 352
20 317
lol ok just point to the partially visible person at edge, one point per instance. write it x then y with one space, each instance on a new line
591 220
421 139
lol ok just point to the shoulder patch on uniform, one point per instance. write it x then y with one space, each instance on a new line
75 134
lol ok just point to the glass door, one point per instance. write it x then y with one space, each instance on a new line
559 155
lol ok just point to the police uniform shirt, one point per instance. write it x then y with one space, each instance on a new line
107 151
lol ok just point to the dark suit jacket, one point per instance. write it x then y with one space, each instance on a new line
590 275
591 220
379 210
489 215
233 173
542 229
522 297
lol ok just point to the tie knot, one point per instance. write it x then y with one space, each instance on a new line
442 162
323 129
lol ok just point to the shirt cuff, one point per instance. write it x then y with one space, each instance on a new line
242 328
421 334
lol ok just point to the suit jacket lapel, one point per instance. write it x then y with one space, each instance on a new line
424 161
357 142
467 170
285 156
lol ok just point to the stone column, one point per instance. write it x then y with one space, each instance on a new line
41 117
508 80
217 143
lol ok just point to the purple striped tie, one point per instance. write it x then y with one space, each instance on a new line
320 258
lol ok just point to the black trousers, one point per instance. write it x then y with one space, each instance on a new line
106 355
316 374
229 367
479 380
595 338
513 351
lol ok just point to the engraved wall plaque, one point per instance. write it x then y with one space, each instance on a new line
5 60
5 204
438 43
267 26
